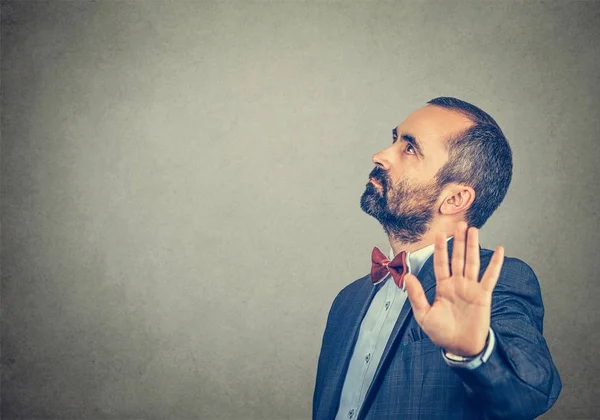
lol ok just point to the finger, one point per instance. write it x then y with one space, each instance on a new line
490 277
472 261
416 296
440 257
458 250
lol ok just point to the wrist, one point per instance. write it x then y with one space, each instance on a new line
467 356
472 362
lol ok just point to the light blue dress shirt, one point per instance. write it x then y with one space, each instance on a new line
374 333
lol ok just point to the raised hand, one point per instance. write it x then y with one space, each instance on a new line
459 318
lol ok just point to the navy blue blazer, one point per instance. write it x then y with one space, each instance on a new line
412 380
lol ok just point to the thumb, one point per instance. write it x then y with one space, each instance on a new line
416 296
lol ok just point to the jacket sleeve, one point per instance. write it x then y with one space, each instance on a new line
519 379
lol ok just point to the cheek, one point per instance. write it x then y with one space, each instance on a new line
424 176
399 175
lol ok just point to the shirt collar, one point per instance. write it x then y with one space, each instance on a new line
418 258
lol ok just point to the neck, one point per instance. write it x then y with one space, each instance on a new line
428 237
398 246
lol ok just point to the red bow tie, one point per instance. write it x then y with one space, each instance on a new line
381 266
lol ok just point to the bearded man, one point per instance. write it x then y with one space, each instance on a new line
441 329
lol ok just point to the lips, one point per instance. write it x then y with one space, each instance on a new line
375 182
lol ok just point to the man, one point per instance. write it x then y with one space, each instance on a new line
445 330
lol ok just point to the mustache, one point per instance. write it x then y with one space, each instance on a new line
381 176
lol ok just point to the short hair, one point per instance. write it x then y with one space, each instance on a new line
479 157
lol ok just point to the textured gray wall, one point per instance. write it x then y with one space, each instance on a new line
180 188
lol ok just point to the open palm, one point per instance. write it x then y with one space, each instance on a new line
459 318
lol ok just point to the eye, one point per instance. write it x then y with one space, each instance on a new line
410 149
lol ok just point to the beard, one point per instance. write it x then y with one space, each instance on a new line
405 211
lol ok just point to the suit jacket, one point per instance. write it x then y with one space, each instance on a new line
412 380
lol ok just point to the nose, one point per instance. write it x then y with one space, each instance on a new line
380 160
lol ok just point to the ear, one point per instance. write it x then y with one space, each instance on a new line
457 199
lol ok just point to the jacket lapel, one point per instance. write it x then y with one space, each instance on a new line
427 278
353 311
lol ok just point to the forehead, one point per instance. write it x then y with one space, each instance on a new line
432 125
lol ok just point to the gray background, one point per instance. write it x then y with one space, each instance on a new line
181 183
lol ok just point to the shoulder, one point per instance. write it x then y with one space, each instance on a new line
515 273
351 295
354 288
517 293
356 285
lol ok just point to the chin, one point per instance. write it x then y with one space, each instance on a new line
372 203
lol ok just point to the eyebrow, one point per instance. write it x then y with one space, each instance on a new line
409 138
